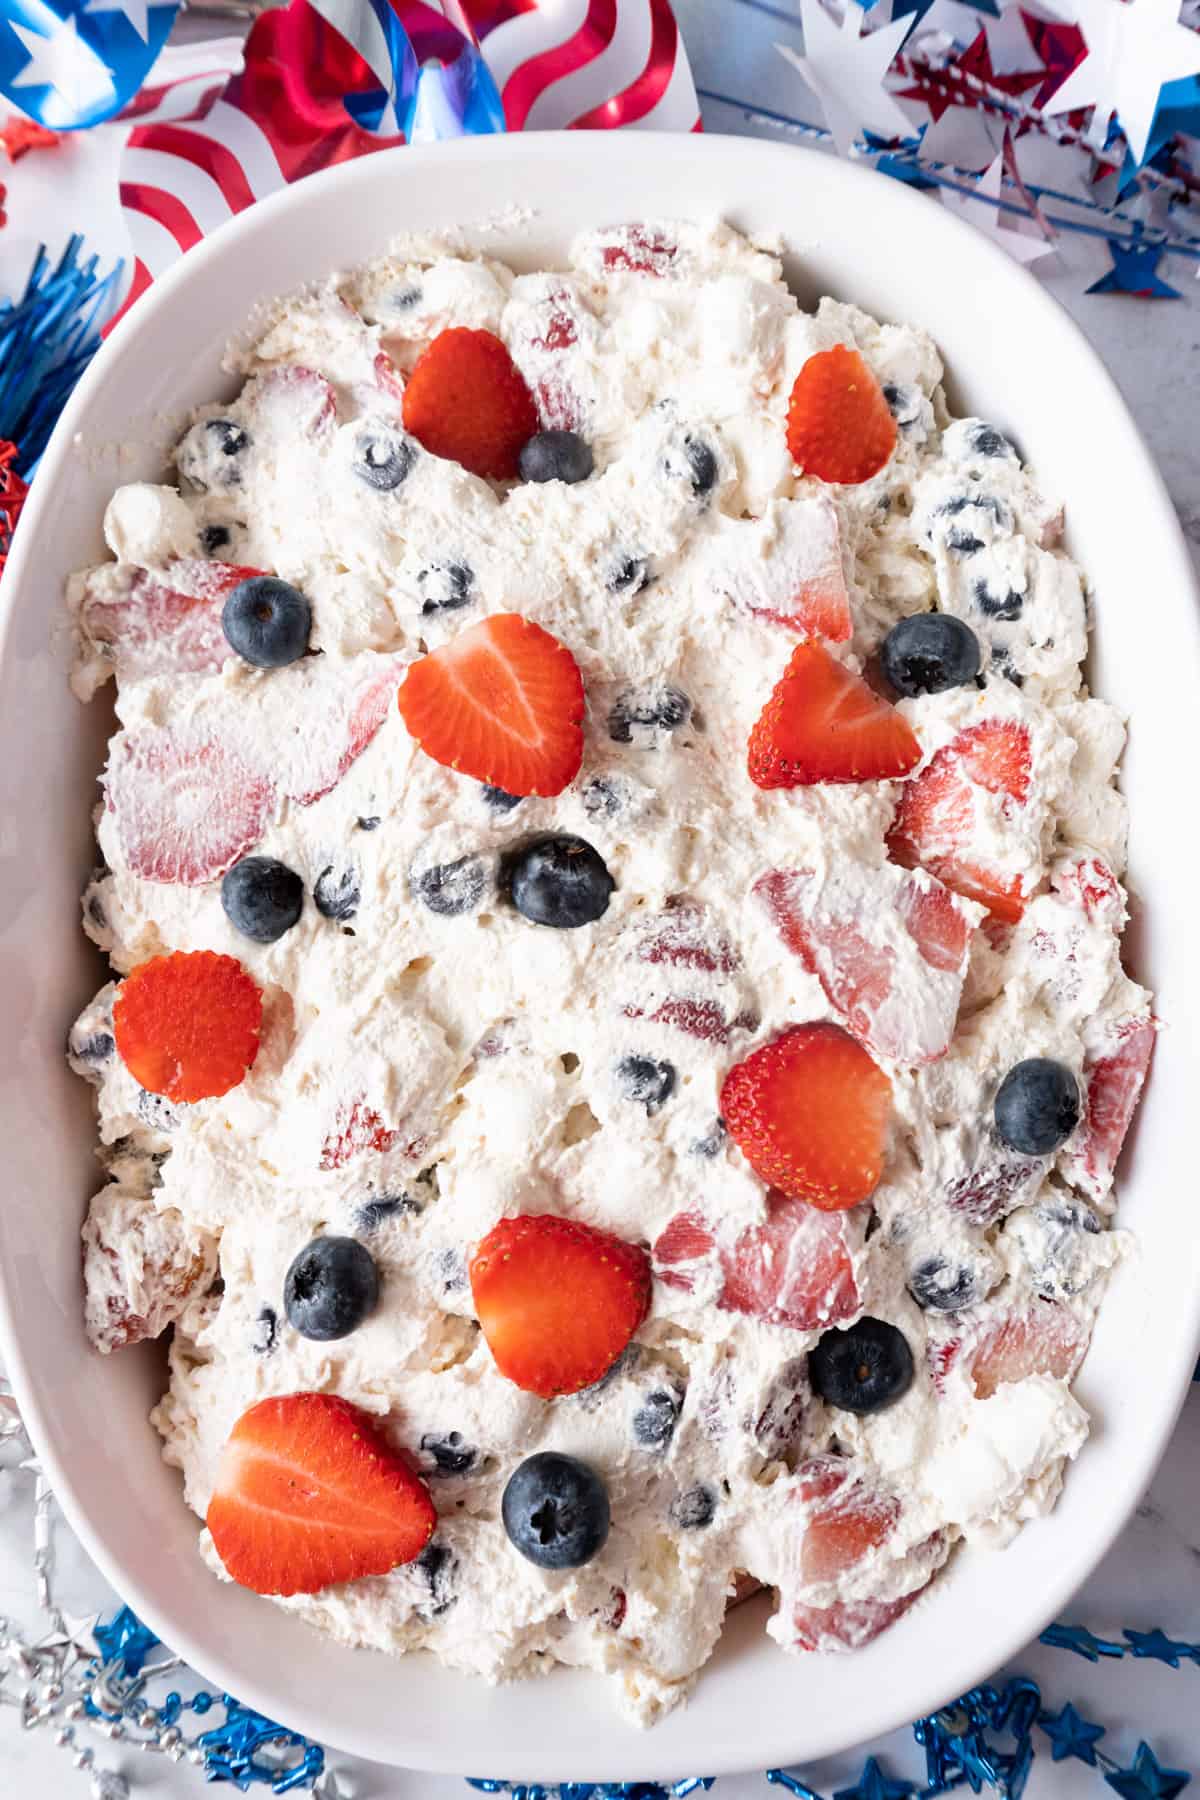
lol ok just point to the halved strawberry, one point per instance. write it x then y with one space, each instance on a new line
935 822
156 622
1114 1087
186 806
1047 1340
557 1300
795 1269
466 400
502 702
839 426
823 723
787 567
810 1112
308 1493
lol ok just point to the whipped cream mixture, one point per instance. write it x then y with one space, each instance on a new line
433 1062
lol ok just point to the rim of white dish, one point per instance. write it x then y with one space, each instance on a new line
634 1756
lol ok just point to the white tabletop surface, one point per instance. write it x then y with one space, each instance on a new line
1152 1577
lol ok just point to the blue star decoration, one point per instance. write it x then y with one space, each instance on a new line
1160 1648
1070 1735
1077 1637
873 1784
127 1638
1134 272
231 1751
1147 1779
72 63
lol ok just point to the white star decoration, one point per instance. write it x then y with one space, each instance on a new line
136 11
845 67
63 61
1132 50
992 219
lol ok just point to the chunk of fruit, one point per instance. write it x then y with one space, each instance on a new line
823 723
308 1493
1049 1340
322 718
187 1025
141 1267
186 806
300 400
638 250
937 816
684 936
810 1113
787 567
840 427
358 1127
843 1527
466 400
154 623
557 1300
1114 1087
502 702
795 1269
848 1624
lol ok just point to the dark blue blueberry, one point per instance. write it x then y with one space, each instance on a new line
496 800
985 440
445 587
370 823
267 621
451 1454
227 438
963 543
331 1287
929 653
262 898
404 299
555 1511
337 894
650 709
383 457
863 1369
694 1508
93 1049
938 1285
997 606
559 881
1037 1106
450 889
590 1397
903 402
95 904
437 1563
266 1330
646 1081
156 1111
602 798
712 1143
655 1420
1002 664
451 1270
556 456
1064 1272
371 1214
697 464
628 575
214 538
989 503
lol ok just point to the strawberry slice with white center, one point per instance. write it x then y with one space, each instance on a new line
823 723
889 949
787 567
795 1269
688 978
1048 1339
186 805
308 1493
503 703
158 622
322 714
1114 1081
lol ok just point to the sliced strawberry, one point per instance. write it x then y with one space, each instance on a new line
988 1193
559 406
704 1020
556 324
466 400
1048 1340
996 756
161 623
684 937
848 1624
502 702
795 1269
1090 884
301 402
308 1494
810 1113
1114 1087
844 1526
787 567
890 951
823 723
187 1025
935 822
323 715
390 382
357 1127
557 1300
186 807
638 249
839 428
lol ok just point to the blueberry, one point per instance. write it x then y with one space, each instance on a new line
556 456
262 898
445 587
628 575
214 538
496 800
963 543
451 1454
555 1511
437 1564
661 709
266 1328
985 440
997 606
331 1287
929 653
452 888
404 299
655 1420
646 1081
94 1050
227 439
337 895
602 798
1002 664
267 621
451 1270
697 464
903 402
156 1111
560 881
694 1508
712 1143
371 1214
370 823
938 1285
591 1396
988 503
861 1370
1037 1106
383 457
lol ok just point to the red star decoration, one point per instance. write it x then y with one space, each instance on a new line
19 135
12 498
1062 48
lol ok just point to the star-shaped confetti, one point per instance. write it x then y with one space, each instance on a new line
873 1784
1160 1648
1134 50
126 1637
844 67
1134 271
1147 1779
19 135
1079 1639
1070 1735
998 222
